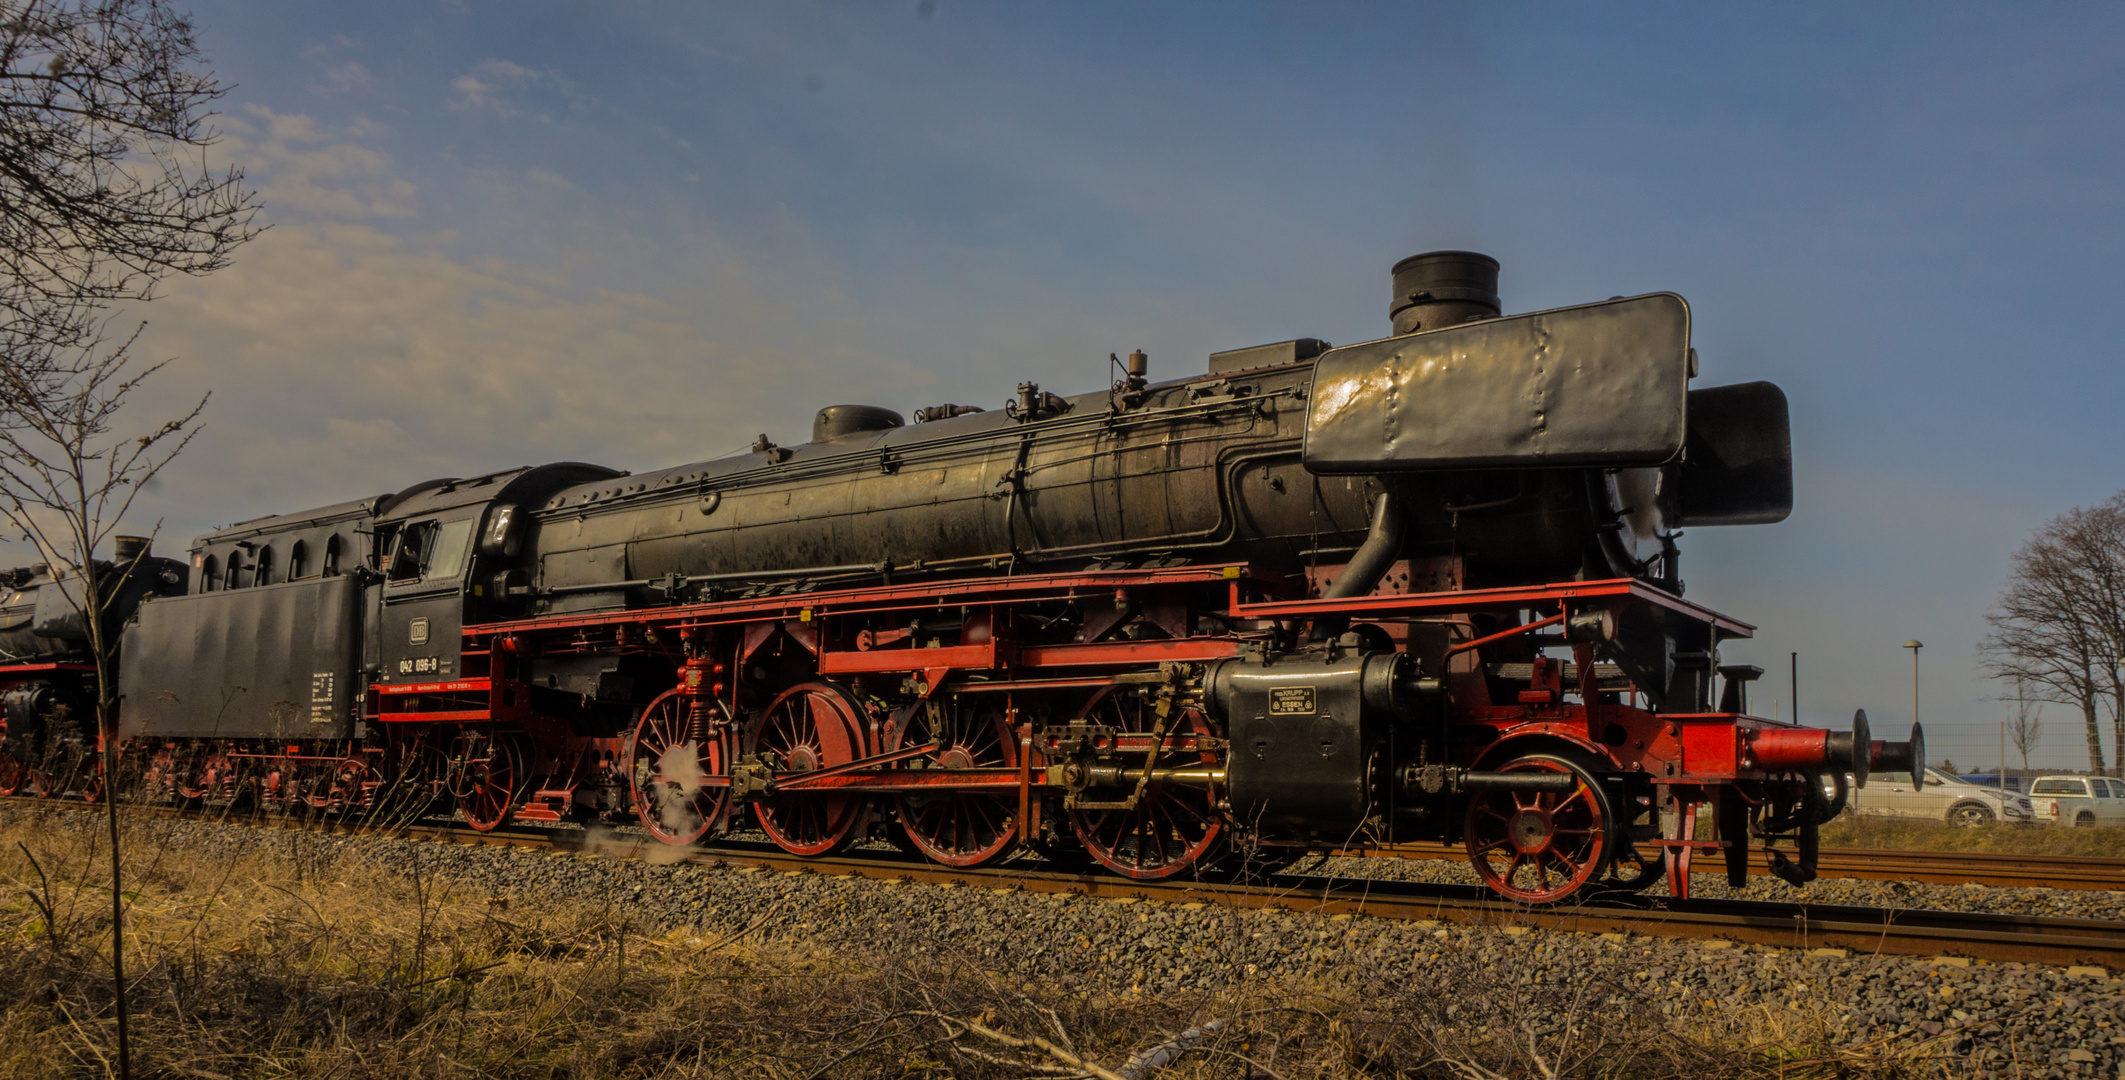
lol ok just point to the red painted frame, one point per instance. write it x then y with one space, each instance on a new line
1684 750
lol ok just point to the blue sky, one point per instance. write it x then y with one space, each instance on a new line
642 234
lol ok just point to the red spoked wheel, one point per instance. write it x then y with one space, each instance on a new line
1174 826
204 777
492 776
1635 864
419 776
95 783
1539 847
961 828
291 783
679 744
350 785
158 780
812 726
418 779
14 775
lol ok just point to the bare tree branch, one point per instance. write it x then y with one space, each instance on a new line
105 184
2026 727
2058 631
105 189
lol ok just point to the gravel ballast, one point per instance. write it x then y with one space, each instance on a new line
1899 895
1984 1018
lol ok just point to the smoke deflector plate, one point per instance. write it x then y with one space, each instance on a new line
1595 385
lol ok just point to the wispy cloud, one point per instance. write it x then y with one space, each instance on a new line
302 168
493 85
348 78
344 358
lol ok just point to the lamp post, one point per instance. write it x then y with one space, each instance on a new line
1914 646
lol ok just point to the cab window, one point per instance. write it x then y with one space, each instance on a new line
429 551
446 555
2059 787
409 549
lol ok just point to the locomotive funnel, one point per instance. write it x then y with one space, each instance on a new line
1439 289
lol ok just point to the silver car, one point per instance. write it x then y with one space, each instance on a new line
1943 797
2080 800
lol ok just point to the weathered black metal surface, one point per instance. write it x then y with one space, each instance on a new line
836 421
1177 470
275 661
40 617
1305 736
1738 466
1261 356
1597 385
1439 289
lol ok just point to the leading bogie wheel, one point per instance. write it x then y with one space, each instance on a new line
961 828
1634 868
1540 847
680 744
1173 827
811 726
1636 864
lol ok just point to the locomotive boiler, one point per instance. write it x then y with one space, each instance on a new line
1305 598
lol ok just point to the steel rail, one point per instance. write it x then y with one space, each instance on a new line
2089 873
1906 932
1887 931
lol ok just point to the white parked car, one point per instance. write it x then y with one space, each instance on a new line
2079 800
1943 797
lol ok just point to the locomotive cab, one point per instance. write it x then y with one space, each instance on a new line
447 552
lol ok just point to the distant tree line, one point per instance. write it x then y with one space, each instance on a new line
2058 632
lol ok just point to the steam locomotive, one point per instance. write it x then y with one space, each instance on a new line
1309 598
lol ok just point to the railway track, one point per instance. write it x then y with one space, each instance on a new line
1910 932
1882 864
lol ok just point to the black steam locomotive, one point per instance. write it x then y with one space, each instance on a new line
1311 597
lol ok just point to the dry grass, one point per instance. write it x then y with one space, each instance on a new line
1913 834
274 965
